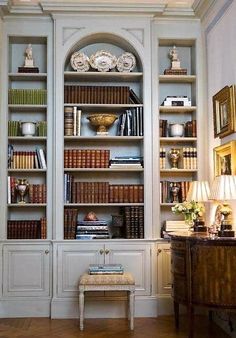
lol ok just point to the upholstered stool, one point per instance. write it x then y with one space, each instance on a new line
124 282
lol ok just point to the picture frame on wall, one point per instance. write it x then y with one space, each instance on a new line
224 112
225 159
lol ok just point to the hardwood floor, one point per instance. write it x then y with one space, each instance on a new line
161 327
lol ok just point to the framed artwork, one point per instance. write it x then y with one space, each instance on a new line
225 159
224 112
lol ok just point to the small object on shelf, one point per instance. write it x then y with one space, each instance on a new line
175 64
28 129
176 129
80 62
174 155
126 62
22 187
174 189
177 101
91 216
103 61
29 62
102 122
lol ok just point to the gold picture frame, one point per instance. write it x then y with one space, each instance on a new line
225 159
224 112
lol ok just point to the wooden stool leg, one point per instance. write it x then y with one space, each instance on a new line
81 309
176 312
131 308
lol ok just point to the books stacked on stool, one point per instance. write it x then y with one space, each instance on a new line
106 269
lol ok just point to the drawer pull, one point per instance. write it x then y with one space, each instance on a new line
101 251
107 251
46 252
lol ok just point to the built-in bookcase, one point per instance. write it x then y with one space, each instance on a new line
96 186
27 155
177 85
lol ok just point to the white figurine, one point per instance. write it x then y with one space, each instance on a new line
29 62
175 63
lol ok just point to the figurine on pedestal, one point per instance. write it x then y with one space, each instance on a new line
29 62
175 64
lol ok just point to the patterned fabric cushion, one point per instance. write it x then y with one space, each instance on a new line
125 279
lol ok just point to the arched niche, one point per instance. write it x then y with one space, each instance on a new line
112 43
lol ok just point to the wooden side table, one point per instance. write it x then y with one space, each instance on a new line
124 282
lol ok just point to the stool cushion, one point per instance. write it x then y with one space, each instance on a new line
113 279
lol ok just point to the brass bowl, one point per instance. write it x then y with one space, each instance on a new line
102 122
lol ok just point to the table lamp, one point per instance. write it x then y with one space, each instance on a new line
199 192
224 189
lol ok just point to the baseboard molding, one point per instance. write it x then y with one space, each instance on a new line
164 305
15 308
103 308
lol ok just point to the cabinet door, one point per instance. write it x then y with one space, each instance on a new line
135 258
26 270
72 261
164 269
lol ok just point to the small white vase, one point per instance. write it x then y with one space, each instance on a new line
176 129
28 129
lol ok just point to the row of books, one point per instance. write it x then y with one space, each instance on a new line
189 158
134 222
190 128
86 158
27 96
106 269
180 71
14 128
27 229
101 192
92 230
100 95
70 223
26 159
130 123
72 121
166 191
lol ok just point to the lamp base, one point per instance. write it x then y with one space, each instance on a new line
199 226
226 233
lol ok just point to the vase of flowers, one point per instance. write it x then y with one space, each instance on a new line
192 211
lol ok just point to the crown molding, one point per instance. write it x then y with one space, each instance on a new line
202 7
178 11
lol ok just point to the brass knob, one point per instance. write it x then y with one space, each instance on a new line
101 251
46 252
159 251
107 251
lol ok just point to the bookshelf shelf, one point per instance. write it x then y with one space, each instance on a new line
102 204
103 169
27 170
27 139
27 76
103 138
176 171
180 110
167 204
27 107
177 78
105 107
177 139
103 77
27 205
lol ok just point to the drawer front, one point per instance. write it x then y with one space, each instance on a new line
179 290
178 263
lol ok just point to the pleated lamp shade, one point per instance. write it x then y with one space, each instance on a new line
223 188
198 191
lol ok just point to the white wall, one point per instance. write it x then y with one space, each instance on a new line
219 31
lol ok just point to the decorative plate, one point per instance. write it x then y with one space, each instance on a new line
126 62
103 61
80 62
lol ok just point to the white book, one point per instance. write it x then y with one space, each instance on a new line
185 103
43 159
75 121
9 189
78 131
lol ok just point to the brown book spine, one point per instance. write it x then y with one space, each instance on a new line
135 193
120 193
97 158
140 193
131 194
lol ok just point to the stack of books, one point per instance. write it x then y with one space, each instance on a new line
92 230
131 122
132 162
106 269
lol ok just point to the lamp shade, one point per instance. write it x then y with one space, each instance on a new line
223 188
198 191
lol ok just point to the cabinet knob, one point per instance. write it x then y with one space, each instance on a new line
107 251
46 252
101 251
159 251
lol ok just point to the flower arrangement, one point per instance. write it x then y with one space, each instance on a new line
191 210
